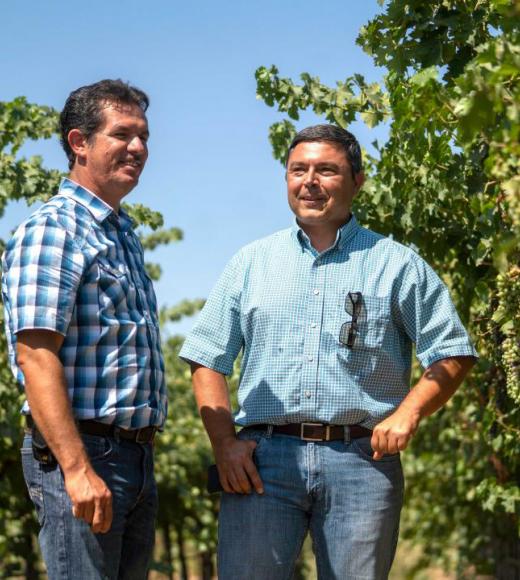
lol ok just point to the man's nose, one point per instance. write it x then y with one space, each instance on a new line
137 145
311 178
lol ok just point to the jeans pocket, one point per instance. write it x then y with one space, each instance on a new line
253 435
98 447
363 447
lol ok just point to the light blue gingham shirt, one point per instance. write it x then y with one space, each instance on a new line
284 304
76 267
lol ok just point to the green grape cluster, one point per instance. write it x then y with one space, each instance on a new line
508 286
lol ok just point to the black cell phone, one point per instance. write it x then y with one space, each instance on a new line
214 485
40 449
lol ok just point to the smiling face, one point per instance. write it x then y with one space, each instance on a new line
320 186
111 161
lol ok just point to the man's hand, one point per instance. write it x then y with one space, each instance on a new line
91 499
394 433
236 467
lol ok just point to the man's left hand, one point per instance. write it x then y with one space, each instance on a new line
394 433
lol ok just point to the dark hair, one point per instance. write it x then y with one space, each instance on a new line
83 108
336 135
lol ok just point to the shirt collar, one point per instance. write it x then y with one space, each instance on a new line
99 209
345 233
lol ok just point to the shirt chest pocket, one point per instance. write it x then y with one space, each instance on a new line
114 285
362 322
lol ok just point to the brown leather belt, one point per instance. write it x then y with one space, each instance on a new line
91 427
317 431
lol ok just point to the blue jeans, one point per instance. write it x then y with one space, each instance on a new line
349 503
69 548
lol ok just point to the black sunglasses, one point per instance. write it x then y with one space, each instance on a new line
348 331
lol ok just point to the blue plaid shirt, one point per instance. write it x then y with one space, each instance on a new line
76 267
284 304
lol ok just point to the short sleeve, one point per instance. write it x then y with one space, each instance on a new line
216 338
429 316
42 270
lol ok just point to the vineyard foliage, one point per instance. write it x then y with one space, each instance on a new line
446 183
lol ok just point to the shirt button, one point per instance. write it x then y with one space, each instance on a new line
310 357
308 394
316 292
313 325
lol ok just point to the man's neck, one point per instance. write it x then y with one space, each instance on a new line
322 236
84 181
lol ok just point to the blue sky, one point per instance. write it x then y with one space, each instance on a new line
210 170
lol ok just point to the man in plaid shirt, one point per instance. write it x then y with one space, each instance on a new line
326 313
83 334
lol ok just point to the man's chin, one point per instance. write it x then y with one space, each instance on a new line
311 218
129 179
123 186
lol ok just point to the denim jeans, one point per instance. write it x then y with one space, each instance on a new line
70 550
348 502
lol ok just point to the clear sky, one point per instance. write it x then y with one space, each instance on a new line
210 170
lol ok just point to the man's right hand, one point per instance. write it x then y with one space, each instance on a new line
236 468
91 498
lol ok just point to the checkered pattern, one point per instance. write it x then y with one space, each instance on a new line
76 267
284 304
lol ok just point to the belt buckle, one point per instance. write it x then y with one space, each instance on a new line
302 432
141 436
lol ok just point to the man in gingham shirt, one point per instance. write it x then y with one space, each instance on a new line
326 313
83 333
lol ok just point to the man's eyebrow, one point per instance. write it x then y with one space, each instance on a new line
319 164
327 164
123 127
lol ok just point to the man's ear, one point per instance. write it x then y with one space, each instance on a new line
359 179
77 142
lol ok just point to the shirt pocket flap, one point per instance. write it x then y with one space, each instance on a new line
118 271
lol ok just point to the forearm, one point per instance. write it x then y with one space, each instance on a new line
212 396
433 390
237 471
437 385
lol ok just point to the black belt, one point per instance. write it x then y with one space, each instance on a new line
91 427
317 431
